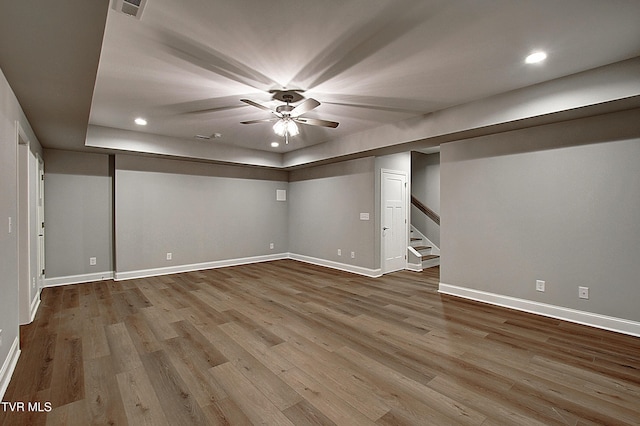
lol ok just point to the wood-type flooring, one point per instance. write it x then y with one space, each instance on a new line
288 343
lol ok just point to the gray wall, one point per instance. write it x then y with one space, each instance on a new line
199 212
324 212
425 186
78 213
558 203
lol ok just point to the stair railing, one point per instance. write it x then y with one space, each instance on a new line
426 210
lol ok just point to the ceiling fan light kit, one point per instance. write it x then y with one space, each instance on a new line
286 126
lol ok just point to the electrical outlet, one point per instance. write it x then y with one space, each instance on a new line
33 283
540 285
271 246
169 256
583 292
0 337
353 254
10 224
92 261
339 252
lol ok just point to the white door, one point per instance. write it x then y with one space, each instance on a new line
394 221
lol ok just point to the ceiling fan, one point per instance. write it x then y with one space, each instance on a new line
286 116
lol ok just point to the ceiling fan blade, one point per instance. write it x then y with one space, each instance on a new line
305 106
316 122
211 110
266 120
257 105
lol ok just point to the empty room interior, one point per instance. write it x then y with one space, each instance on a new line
359 212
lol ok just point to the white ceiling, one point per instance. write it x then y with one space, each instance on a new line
185 65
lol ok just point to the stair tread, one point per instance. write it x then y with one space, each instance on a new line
430 256
422 248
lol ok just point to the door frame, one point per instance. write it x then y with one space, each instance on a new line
40 232
404 174
29 283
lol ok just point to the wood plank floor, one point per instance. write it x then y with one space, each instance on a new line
287 343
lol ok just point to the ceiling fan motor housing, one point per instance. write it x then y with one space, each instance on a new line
289 96
285 109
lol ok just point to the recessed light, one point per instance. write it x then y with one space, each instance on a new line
536 57
275 144
140 121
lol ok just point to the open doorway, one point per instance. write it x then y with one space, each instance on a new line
30 225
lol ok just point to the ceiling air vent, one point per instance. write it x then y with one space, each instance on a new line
130 7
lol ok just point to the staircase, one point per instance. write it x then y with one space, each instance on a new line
423 251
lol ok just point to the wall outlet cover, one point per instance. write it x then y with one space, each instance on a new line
583 292
540 285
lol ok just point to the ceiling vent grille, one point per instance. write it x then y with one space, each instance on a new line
130 7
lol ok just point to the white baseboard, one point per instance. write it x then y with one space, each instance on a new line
415 267
119 276
78 279
373 273
8 366
34 308
572 315
143 273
